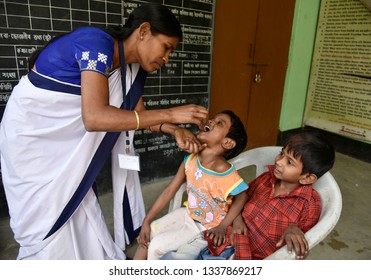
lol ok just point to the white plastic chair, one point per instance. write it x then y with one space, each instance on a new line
326 186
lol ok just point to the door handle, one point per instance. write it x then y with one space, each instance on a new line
257 78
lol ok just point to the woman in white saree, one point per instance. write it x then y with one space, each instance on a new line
63 120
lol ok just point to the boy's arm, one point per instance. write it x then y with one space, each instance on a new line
163 199
295 239
237 205
294 234
167 194
218 233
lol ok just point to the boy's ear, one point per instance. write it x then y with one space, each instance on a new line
228 143
308 178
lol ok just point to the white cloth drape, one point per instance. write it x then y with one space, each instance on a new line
45 151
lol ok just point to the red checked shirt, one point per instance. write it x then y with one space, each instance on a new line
267 217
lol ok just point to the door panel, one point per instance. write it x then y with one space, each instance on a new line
251 40
234 39
270 62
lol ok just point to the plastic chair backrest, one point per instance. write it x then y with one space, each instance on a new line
260 157
326 186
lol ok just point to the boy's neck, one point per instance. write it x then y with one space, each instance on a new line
213 161
281 187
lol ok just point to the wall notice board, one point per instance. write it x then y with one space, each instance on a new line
339 92
28 25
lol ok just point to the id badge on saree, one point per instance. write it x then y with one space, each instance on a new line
130 159
130 162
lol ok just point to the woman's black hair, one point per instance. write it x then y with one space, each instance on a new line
237 132
161 19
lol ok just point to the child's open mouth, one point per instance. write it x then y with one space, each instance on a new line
207 128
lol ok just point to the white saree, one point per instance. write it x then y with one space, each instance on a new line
45 152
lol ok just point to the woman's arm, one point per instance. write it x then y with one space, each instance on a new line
185 138
98 115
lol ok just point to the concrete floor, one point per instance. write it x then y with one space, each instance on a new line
350 239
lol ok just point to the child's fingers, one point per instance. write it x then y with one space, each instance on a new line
219 240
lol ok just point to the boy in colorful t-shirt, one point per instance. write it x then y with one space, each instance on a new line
212 184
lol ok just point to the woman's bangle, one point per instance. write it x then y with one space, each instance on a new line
161 127
137 117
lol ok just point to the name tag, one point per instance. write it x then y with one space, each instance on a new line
130 162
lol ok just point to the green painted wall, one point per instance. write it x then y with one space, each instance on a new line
300 59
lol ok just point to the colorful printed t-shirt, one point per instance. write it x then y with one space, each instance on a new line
209 192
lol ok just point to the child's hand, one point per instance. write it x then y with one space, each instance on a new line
295 239
217 234
144 235
239 225
187 141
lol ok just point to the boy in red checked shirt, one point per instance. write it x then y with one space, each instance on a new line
281 204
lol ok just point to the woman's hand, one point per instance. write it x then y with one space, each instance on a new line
189 114
187 141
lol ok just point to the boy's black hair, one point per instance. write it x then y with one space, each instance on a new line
314 150
237 132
